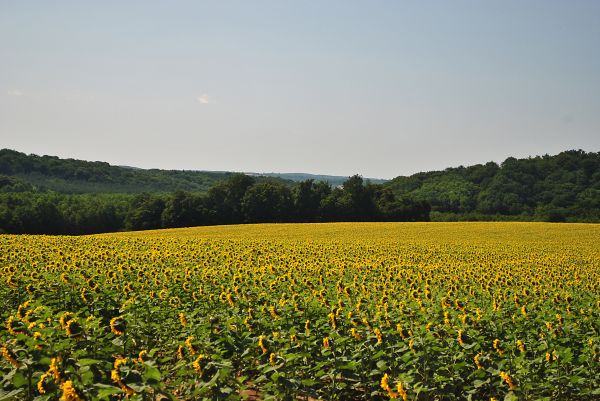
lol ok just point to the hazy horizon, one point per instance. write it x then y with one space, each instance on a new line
380 89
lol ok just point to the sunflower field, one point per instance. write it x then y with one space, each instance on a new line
341 311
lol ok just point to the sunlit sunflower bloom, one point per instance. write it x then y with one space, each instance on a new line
115 376
190 345
272 358
10 326
385 385
400 330
508 380
73 328
521 345
332 320
378 335
229 299
21 308
41 384
326 342
460 337
402 391
294 339
411 345
180 349
64 319
524 310
82 294
385 382
53 370
117 326
196 364
497 347
142 356
182 319
446 318
10 357
69 393
355 333
261 344
477 361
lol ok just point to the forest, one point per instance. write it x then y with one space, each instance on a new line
50 173
49 195
564 187
239 199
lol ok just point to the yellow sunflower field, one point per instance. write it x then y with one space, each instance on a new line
340 311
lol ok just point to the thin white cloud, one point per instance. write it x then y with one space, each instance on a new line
14 92
204 99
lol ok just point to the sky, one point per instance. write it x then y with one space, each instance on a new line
377 88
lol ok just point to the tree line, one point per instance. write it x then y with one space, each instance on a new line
564 187
239 199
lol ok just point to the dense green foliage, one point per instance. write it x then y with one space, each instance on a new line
52 213
77 176
42 194
239 199
565 187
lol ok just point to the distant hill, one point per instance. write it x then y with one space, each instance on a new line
49 195
563 187
21 172
333 180
551 188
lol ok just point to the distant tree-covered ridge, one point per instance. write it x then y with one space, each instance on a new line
43 173
565 187
44 194
334 180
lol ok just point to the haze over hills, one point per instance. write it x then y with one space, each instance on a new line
334 180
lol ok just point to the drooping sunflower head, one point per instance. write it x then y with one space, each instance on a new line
118 325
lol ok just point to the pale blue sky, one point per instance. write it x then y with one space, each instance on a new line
379 88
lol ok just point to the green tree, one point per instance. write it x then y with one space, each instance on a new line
267 202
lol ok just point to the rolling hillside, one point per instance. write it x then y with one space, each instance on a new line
23 172
553 188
